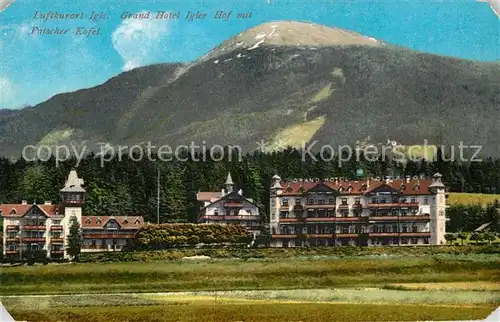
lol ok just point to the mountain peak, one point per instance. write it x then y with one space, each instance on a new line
292 33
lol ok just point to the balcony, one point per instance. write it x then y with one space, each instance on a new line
11 252
233 205
320 235
285 219
415 218
349 219
419 234
383 218
34 239
107 236
320 219
56 240
56 227
34 227
224 217
284 208
383 234
283 236
409 205
320 206
347 235
344 206
12 227
384 205
12 239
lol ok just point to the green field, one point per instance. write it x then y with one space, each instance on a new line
369 288
456 198
246 275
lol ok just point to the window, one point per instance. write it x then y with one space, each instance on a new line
289 189
376 228
137 222
298 201
228 212
321 202
413 200
56 222
349 189
394 228
374 200
331 201
13 212
426 201
98 221
302 189
345 230
403 200
383 201
414 228
404 229
284 202
87 221
344 201
125 221
357 201
310 201
341 189
216 212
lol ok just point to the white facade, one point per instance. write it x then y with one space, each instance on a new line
229 207
366 212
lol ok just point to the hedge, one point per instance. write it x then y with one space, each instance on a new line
276 253
165 236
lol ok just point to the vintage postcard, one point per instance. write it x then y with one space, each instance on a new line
249 160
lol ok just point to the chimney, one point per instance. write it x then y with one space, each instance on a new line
48 202
24 202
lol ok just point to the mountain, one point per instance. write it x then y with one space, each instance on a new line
284 82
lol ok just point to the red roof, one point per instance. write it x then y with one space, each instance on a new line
19 210
359 187
125 222
207 196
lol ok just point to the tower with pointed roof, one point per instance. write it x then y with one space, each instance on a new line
438 211
73 198
275 191
229 185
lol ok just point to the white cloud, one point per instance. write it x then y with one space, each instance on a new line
6 90
136 40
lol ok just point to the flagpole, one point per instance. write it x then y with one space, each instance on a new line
158 199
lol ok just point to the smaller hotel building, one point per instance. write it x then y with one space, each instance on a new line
46 227
336 212
229 207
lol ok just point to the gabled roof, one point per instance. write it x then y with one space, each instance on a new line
22 209
208 196
231 197
383 189
125 222
321 187
360 187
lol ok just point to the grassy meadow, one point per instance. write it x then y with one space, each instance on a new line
367 288
457 198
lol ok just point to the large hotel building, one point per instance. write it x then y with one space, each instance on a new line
46 226
335 212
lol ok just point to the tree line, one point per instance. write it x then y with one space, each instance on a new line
126 186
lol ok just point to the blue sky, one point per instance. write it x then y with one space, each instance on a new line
35 67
